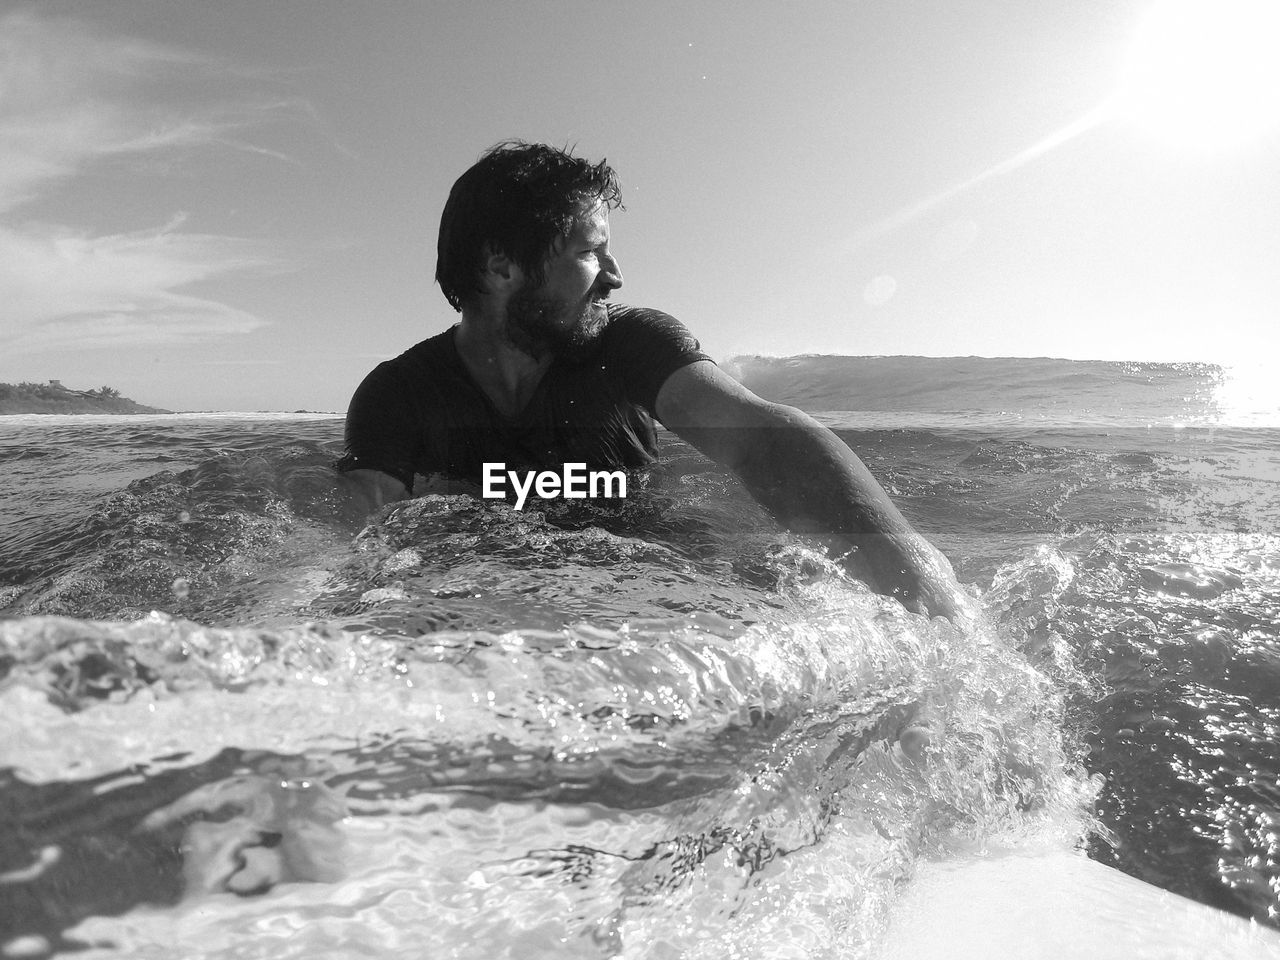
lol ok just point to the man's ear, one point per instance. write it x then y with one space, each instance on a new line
500 273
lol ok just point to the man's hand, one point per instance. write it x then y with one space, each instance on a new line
812 482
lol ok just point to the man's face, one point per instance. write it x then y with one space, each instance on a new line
567 312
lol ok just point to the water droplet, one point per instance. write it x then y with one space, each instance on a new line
915 740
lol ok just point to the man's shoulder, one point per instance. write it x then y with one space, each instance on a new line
628 315
423 371
643 347
436 354
439 346
631 325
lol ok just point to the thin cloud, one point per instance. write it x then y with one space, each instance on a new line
73 97
62 288
187 319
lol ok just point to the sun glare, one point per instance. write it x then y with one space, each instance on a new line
1205 74
1248 395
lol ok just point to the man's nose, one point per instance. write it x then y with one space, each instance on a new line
611 272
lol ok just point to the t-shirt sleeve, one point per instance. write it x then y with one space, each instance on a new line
652 346
381 431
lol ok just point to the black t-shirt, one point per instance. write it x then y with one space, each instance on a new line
421 413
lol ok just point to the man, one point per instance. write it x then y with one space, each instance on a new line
543 371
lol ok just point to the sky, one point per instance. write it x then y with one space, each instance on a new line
232 204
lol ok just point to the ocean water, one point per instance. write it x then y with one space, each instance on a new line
237 720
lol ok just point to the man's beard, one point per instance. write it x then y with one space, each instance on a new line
533 325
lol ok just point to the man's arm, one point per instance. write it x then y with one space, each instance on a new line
371 490
377 467
811 481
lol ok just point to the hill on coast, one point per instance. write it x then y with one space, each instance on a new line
53 397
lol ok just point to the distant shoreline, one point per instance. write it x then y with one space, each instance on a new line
112 408
53 397
143 411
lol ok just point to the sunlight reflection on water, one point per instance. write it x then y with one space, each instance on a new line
1248 395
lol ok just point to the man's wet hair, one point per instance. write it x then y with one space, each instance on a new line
518 199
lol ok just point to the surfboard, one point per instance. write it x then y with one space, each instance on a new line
1055 906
